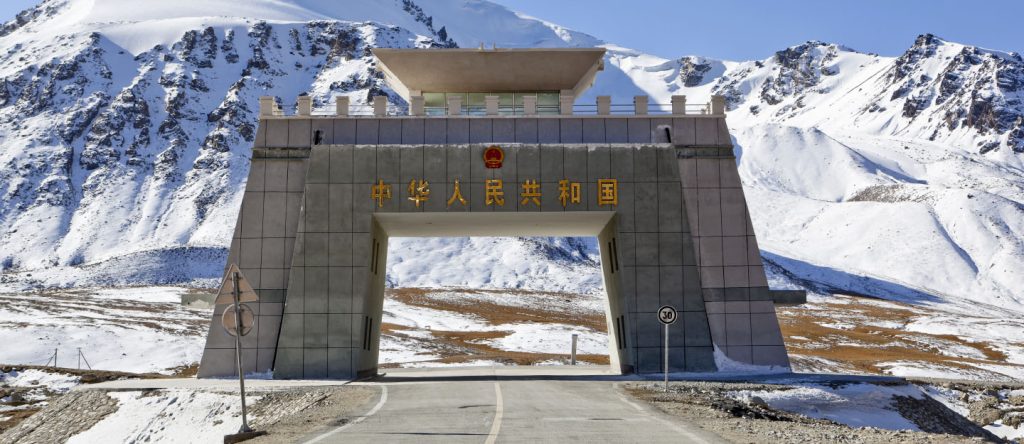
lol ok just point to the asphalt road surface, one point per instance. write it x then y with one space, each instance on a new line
497 409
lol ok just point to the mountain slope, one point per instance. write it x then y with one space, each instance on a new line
126 133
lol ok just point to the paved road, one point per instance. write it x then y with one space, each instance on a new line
508 410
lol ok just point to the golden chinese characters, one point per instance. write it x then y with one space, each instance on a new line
568 192
531 193
607 192
493 192
380 192
457 195
419 193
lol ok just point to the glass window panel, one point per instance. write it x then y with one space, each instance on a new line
433 99
547 98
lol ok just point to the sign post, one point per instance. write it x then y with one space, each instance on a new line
238 349
667 315
238 320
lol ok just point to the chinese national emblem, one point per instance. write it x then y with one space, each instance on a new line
493 156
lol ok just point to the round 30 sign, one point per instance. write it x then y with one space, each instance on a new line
667 314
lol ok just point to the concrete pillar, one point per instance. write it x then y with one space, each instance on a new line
678 105
491 105
530 105
380 106
718 105
416 106
604 105
341 105
565 102
454 105
640 105
304 106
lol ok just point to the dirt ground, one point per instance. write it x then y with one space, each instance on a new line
291 415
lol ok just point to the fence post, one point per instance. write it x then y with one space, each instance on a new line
572 358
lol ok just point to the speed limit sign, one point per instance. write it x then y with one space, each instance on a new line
667 314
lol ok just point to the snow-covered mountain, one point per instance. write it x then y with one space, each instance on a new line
125 134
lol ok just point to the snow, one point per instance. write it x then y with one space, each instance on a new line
727 365
168 416
550 338
1005 431
540 264
128 329
521 337
865 201
58 383
856 405
846 193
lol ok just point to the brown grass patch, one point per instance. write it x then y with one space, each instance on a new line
866 347
456 347
495 313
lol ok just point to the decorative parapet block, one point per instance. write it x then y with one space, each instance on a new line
530 105
678 105
341 104
640 105
416 106
268 106
454 105
304 106
718 105
491 105
380 106
604 105
565 102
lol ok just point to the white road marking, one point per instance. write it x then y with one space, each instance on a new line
498 410
383 399
688 435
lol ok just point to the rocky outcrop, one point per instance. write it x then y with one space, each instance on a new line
173 123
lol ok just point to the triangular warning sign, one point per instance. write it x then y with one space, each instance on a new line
226 295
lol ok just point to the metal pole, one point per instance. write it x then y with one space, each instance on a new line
79 358
666 358
238 353
573 358
55 357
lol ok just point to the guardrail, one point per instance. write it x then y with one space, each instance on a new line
271 107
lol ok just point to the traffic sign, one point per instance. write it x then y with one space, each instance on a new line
226 295
667 314
248 318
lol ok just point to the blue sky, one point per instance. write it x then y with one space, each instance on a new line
752 29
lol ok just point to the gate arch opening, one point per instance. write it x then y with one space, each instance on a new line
599 225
